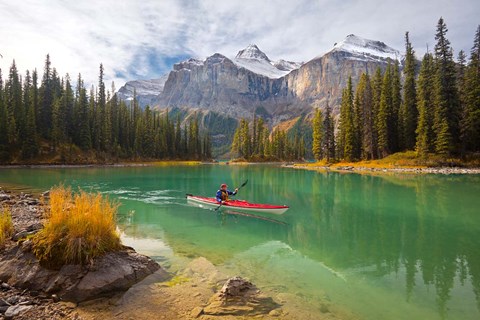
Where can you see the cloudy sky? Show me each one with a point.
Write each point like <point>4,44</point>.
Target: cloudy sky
<point>142,39</point>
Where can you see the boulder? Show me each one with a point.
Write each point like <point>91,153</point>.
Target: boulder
<point>111,273</point>
<point>14,311</point>
<point>239,297</point>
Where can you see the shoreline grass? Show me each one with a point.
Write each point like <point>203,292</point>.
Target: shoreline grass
<point>79,228</point>
<point>6,225</point>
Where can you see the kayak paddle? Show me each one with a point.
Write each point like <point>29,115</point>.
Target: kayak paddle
<point>243,185</point>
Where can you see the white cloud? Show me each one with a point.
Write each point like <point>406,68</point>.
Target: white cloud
<point>129,36</point>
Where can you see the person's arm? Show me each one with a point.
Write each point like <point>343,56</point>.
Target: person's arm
<point>233,193</point>
<point>219,196</point>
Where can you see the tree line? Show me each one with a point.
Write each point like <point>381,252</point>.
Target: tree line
<point>256,142</point>
<point>43,118</point>
<point>436,112</point>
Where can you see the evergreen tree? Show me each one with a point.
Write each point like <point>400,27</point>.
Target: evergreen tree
<point>14,105</point>
<point>83,135</point>
<point>4,155</point>
<point>384,122</point>
<point>409,111</point>
<point>470,125</point>
<point>317,135</point>
<point>396,140</point>
<point>377,94</point>
<point>44,121</point>
<point>446,118</point>
<point>30,143</point>
<point>347,137</point>
<point>425,102</point>
<point>328,141</point>
<point>365,105</point>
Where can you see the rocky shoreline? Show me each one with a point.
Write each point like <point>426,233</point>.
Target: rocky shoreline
<point>30,291</point>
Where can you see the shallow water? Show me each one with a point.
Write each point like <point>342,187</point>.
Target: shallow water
<point>383,247</point>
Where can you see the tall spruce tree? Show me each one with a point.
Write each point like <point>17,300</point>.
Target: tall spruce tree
<point>4,155</point>
<point>347,135</point>
<point>14,104</point>
<point>377,95</point>
<point>44,121</point>
<point>30,142</point>
<point>328,138</point>
<point>470,125</point>
<point>409,111</point>
<point>318,132</point>
<point>446,118</point>
<point>365,96</point>
<point>425,102</point>
<point>384,114</point>
<point>396,140</point>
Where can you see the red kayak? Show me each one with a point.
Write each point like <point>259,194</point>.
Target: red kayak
<point>237,205</point>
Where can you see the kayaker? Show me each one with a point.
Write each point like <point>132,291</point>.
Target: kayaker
<point>223,193</point>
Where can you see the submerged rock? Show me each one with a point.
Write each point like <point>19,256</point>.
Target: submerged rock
<point>240,297</point>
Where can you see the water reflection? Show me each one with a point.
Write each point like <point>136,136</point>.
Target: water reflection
<point>415,236</point>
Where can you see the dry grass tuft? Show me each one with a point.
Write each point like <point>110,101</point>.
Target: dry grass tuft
<point>6,225</point>
<point>79,228</point>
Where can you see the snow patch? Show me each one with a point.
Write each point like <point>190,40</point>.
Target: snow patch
<point>253,59</point>
<point>365,49</point>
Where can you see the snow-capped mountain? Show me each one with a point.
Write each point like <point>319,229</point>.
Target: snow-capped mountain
<point>235,87</point>
<point>253,59</point>
<point>366,49</point>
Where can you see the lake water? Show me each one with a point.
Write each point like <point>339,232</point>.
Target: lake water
<point>382,247</point>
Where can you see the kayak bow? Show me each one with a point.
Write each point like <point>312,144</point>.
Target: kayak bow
<point>237,205</point>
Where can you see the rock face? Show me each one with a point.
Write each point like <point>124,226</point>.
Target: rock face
<point>115,271</point>
<point>279,90</point>
<point>146,90</point>
<point>239,297</point>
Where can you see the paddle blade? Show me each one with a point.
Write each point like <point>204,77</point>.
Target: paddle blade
<point>244,184</point>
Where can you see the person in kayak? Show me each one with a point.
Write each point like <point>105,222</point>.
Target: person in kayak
<point>223,193</point>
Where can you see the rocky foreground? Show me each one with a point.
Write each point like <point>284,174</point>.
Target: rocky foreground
<point>112,286</point>
<point>31,291</point>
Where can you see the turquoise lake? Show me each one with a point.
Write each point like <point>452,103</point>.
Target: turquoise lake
<point>382,247</point>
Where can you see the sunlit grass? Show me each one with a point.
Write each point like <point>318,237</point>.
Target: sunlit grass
<point>6,225</point>
<point>79,227</point>
<point>175,163</point>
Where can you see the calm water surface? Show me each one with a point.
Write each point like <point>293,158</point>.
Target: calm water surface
<point>387,247</point>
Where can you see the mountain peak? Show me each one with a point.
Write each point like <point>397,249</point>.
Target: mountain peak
<point>369,48</point>
<point>252,52</point>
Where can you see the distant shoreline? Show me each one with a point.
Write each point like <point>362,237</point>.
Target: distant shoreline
<point>380,170</point>
<point>343,168</point>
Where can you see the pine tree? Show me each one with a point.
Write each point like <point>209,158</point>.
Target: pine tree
<point>377,94</point>
<point>14,105</point>
<point>409,112</point>
<point>4,155</point>
<point>470,125</point>
<point>44,121</point>
<point>365,103</point>
<point>30,143</point>
<point>383,121</point>
<point>425,102</point>
<point>357,123</point>
<point>82,124</point>
<point>396,140</point>
<point>317,135</point>
<point>347,138</point>
<point>328,141</point>
<point>446,118</point>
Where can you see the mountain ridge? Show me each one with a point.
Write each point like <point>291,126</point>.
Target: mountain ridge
<point>282,90</point>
